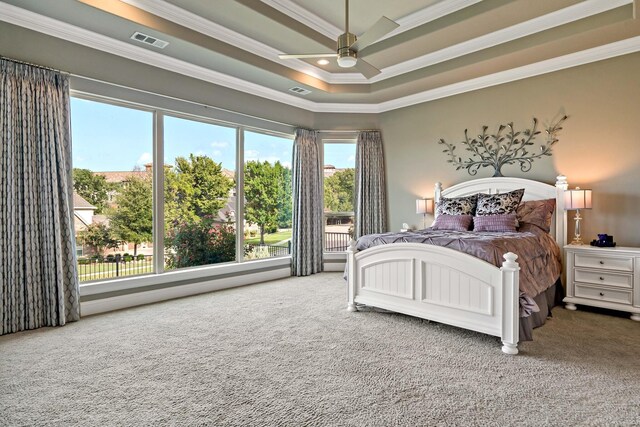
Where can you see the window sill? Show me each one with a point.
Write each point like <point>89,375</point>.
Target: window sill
<point>195,273</point>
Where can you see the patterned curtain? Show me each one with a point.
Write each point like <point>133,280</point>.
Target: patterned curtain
<point>371,195</point>
<point>307,204</point>
<point>39,279</point>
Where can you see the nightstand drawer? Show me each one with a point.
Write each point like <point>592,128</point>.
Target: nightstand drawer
<point>603,278</point>
<point>595,261</point>
<point>603,294</point>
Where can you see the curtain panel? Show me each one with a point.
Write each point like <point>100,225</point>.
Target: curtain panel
<point>307,204</point>
<point>371,196</point>
<point>38,273</point>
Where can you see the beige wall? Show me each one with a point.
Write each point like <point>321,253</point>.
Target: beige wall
<point>599,147</point>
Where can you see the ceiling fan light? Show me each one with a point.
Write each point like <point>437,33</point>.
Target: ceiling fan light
<point>347,61</point>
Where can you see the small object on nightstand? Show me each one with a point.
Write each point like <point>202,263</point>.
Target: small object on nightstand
<point>603,241</point>
<point>405,227</point>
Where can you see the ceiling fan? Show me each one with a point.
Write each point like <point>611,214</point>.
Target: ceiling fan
<point>349,45</point>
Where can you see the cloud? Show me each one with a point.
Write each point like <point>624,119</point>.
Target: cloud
<point>144,159</point>
<point>251,155</point>
<point>216,153</point>
<point>351,159</point>
<point>219,144</point>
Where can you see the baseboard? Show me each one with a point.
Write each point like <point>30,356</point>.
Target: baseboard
<point>334,266</point>
<point>104,305</point>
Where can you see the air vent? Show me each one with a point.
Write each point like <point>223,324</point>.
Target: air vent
<point>299,90</point>
<point>143,38</point>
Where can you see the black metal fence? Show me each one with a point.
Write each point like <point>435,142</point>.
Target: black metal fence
<point>93,269</point>
<point>273,250</point>
<point>336,242</point>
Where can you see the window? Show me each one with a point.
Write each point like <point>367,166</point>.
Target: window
<point>339,193</point>
<point>199,193</point>
<point>114,209</point>
<point>113,216</point>
<point>267,191</point>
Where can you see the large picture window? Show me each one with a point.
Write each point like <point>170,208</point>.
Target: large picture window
<point>199,193</point>
<point>198,199</point>
<point>113,213</point>
<point>339,194</point>
<point>267,192</point>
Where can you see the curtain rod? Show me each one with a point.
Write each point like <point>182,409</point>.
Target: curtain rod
<point>18,61</point>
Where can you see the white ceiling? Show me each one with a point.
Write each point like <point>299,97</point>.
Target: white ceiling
<point>441,47</point>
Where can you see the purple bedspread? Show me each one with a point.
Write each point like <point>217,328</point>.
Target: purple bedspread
<point>538,253</point>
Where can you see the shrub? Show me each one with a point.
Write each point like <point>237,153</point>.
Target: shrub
<point>140,257</point>
<point>253,233</point>
<point>256,252</point>
<point>127,258</point>
<point>110,258</point>
<point>200,243</point>
<point>83,261</point>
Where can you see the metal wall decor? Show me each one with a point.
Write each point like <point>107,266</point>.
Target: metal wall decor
<point>502,148</point>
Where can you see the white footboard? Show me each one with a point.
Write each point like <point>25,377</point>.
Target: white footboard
<point>438,284</point>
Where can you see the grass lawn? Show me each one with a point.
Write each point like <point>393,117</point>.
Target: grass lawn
<point>107,270</point>
<point>270,239</point>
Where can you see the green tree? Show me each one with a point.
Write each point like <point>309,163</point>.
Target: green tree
<point>339,191</point>
<point>263,190</point>
<point>132,220</point>
<point>285,207</point>
<point>98,236</point>
<point>201,243</point>
<point>93,188</point>
<point>194,188</point>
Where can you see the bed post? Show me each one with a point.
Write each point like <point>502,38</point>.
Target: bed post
<point>510,272</point>
<point>351,276</point>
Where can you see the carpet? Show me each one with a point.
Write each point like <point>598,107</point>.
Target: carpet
<point>287,352</point>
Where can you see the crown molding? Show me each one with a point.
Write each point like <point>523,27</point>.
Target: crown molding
<point>571,60</point>
<point>429,14</point>
<point>554,19</point>
<point>302,15</point>
<point>21,17</point>
<point>214,30</point>
<point>52,27</point>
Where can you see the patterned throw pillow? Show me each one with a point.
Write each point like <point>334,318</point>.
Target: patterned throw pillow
<point>499,204</point>
<point>506,222</point>
<point>452,222</point>
<point>456,205</point>
<point>537,212</point>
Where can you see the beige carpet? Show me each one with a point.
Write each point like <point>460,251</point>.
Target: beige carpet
<point>288,353</point>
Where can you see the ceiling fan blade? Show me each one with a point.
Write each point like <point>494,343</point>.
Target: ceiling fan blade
<point>373,34</point>
<point>308,55</point>
<point>366,69</point>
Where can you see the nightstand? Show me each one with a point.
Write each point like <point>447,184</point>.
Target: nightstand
<point>603,277</point>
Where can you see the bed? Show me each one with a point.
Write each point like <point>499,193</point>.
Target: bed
<point>446,285</point>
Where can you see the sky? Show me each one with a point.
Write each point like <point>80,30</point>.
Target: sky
<point>113,138</point>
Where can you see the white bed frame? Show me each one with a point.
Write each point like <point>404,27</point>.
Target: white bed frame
<point>448,286</point>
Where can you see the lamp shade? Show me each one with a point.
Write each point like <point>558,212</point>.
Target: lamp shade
<point>424,206</point>
<point>577,199</point>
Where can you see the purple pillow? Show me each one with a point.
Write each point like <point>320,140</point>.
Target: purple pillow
<point>452,222</point>
<point>537,212</point>
<point>505,222</point>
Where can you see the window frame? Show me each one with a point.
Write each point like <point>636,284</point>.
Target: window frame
<point>349,138</point>
<point>159,275</point>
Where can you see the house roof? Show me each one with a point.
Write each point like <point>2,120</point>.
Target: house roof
<point>121,176</point>
<point>79,203</point>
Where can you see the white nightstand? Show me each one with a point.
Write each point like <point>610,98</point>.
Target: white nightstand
<point>603,277</point>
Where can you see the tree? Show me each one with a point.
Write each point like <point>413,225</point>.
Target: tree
<point>263,190</point>
<point>339,190</point>
<point>194,188</point>
<point>98,236</point>
<point>285,207</point>
<point>91,187</point>
<point>132,220</point>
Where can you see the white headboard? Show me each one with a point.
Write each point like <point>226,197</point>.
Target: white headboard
<point>533,190</point>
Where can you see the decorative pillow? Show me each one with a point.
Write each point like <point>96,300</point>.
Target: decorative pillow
<point>457,205</point>
<point>537,212</point>
<point>506,222</point>
<point>499,204</point>
<point>452,222</point>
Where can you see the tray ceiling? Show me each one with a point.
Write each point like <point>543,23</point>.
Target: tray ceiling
<point>441,47</point>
